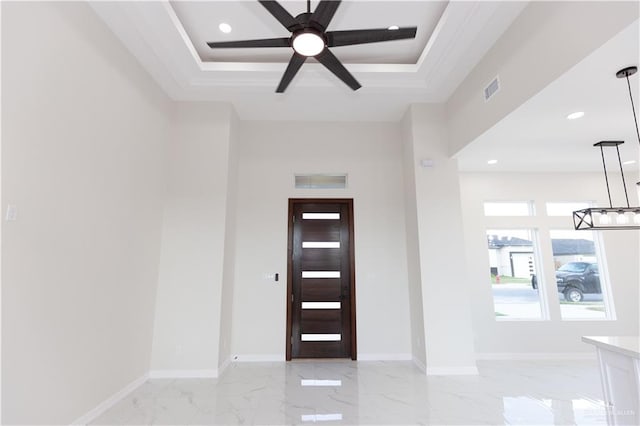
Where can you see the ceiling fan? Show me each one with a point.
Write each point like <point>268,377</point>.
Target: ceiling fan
<point>309,37</point>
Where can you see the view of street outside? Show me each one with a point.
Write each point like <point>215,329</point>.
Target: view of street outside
<point>512,264</point>
<point>572,250</point>
<point>516,279</point>
<point>519,300</point>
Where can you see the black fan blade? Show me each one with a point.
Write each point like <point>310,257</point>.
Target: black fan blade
<point>334,65</point>
<point>295,63</point>
<point>346,38</point>
<point>280,13</point>
<point>324,12</point>
<point>265,42</point>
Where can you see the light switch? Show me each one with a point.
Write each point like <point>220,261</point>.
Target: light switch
<point>12,213</point>
<point>272,276</point>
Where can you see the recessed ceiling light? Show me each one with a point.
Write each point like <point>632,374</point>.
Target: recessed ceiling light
<point>225,28</point>
<point>393,27</point>
<point>629,162</point>
<point>574,115</point>
<point>492,162</point>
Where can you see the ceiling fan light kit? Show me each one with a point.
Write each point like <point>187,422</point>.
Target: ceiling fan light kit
<point>310,38</point>
<point>601,218</point>
<point>308,43</point>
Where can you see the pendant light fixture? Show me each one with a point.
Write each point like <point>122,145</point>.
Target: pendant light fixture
<point>595,218</point>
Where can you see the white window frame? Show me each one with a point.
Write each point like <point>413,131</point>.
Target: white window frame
<point>603,270</point>
<point>537,258</point>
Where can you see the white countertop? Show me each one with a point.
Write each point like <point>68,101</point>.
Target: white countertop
<point>625,345</point>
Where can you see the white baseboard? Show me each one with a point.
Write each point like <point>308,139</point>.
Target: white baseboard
<point>280,358</point>
<point>536,356</point>
<point>420,364</point>
<point>183,374</point>
<point>384,357</point>
<point>258,358</point>
<point>453,371</point>
<point>110,402</point>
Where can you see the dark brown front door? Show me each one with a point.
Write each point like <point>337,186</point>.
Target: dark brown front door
<point>321,279</point>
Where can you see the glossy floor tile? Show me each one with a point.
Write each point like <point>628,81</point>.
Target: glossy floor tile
<point>348,392</point>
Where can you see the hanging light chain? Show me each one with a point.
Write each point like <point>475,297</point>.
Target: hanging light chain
<point>606,178</point>
<point>633,108</point>
<point>624,184</point>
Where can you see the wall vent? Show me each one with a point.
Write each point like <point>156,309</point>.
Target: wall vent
<point>321,181</point>
<point>491,89</point>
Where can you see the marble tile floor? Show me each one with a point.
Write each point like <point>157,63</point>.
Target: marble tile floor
<point>370,393</point>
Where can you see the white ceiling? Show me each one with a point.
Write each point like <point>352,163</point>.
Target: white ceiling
<point>250,20</point>
<point>538,137</point>
<point>169,41</point>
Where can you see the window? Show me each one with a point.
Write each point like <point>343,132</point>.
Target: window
<point>565,209</point>
<point>576,277</point>
<point>580,285</point>
<point>508,208</point>
<point>512,264</point>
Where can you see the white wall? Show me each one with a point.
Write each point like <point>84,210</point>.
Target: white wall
<point>187,318</point>
<point>1,208</point>
<point>554,336</point>
<point>445,299</point>
<point>270,155</point>
<point>228,273</point>
<point>83,148</point>
<point>411,167</point>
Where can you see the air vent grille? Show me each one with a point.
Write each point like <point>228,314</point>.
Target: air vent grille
<point>491,89</point>
<point>321,181</point>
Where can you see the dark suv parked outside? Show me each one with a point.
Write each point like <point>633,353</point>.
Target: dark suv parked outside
<point>574,279</point>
